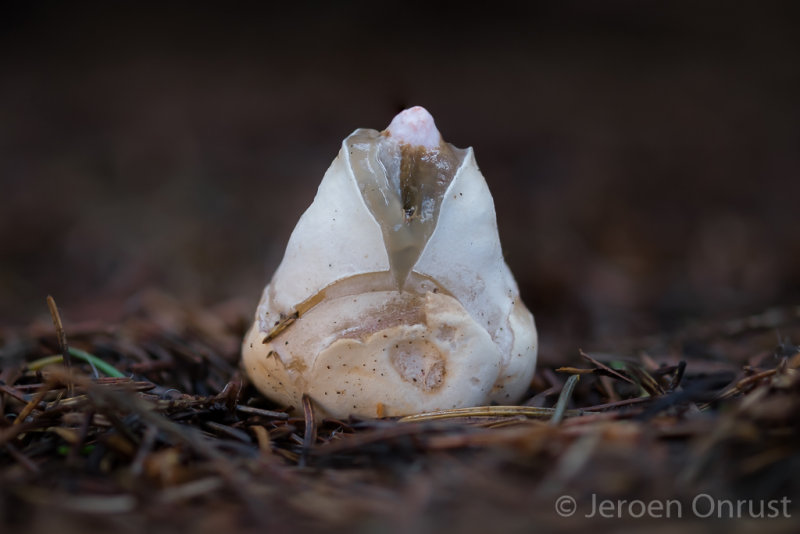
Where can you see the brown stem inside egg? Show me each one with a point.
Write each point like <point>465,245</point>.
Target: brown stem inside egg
<point>403,186</point>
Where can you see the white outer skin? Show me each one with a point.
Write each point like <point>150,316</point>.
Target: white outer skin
<point>362,368</point>
<point>337,237</point>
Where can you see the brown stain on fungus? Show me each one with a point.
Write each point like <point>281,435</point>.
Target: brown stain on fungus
<point>406,310</point>
<point>420,363</point>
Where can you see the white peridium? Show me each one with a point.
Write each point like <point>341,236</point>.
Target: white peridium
<point>396,282</point>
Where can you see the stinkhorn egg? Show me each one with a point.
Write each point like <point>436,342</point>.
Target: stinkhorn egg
<point>393,297</point>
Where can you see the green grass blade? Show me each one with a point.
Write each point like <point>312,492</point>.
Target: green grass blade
<point>105,368</point>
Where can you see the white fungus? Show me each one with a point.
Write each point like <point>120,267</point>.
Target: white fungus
<point>393,297</point>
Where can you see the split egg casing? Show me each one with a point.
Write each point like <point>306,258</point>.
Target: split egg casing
<point>393,297</point>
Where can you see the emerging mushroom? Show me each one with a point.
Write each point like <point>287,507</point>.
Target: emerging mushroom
<point>393,297</point>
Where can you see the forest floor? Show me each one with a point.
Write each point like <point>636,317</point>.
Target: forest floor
<point>151,427</point>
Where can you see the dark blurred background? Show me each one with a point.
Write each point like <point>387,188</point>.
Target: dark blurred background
<point>643,156</point>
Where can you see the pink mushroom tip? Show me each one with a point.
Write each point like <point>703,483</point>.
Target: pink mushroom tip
<point>415,126</point>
